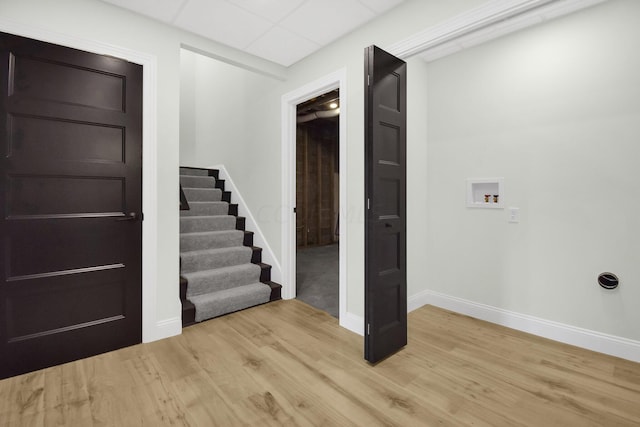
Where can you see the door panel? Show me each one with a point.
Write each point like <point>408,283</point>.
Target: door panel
<point>71,171</point>
<point>91,87</point>
<point>63,141</point>
<point>385,224</point>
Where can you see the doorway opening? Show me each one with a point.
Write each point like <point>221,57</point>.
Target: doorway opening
<point>290,101</point>
<point>318,201</point>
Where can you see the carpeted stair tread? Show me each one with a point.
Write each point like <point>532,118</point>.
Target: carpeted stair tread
<point>208,259</point>
<point>229,300</point>
<point>202,194</point>
<point>206,281</point>
<point>194,172</point>
<point>206,209</point>
<point>211,240</point>
<point>194,181</point>
<point>193,224</point>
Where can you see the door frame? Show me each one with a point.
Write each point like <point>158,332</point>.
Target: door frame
<point>152,329</point>
<point>289,103</point>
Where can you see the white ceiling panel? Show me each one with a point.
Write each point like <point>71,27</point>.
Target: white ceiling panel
<point>326,20</point>
<point>272,10</point>
<point>162,10</point>
<point>222,21</point>
<point>282,31</point>
<point>380,6</point>
<point>282,46</point>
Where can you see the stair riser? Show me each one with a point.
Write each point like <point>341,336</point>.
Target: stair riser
<point>209,261</point>
<point>195,242</point>
<point>188,181</point>
<point>199,224</point>
<point>221,280</point>
<point>202,194</point>
<point>206,208</point>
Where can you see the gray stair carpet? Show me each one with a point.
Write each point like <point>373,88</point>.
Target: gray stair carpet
<point>218,269</point>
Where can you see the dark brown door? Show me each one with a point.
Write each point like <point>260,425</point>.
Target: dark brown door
<point>70,197</point>
<point>385,188</point>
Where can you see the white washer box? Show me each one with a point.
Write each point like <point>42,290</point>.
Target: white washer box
<point>479,188</point>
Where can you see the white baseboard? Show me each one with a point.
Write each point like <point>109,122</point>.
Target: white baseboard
<point>164,329</point>
<point>353,323</point>
<point>243,210</point>
<point>579,337</point>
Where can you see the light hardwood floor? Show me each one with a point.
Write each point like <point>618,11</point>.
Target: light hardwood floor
<point>287,364</point>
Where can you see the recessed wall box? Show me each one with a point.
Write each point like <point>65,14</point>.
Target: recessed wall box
<point>485,193</point>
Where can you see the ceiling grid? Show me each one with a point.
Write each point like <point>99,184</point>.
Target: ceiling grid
<point>282,31</point>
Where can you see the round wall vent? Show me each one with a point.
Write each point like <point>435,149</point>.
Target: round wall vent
<point>608,280</point>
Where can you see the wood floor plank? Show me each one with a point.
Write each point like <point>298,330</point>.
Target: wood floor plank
<point>287,364</point>
<point>66,398</point>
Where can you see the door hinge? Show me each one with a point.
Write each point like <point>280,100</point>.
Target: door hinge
<point>368,328</point>
<point>368,203</point>
<point>368,80</point>
<point>141,216</point>
<point>295,210</point>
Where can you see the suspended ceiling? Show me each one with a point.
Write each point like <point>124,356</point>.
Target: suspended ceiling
<point>282,31</point>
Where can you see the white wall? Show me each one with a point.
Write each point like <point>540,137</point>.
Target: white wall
<point>417,175</point>
<point>219,103</point>
<point>555,110</point>
<point>95,20</point>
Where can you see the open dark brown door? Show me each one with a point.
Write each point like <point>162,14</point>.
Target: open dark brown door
<point>70,198</point>
<point>385,188</point>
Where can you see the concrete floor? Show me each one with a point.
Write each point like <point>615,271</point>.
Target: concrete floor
<point>317,277</point>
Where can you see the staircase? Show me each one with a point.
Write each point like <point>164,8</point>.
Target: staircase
<point>220,269</point>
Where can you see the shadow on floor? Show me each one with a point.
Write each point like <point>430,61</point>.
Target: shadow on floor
<point>317,277</point>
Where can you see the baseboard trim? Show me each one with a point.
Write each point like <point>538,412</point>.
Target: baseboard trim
<point>579,337</point>
<point>352,322</point>
<point>165,328</point>
<point>251,224</point>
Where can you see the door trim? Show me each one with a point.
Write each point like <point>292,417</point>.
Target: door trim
<point>152,328</point>
<point>335,80</point>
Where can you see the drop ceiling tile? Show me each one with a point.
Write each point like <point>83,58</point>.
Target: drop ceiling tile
<point>222,22</point>
<point>272,10</point>
<point>326,20</point>
<point>380,6</point>
<point>163,10</point>
<point>282,46</point>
